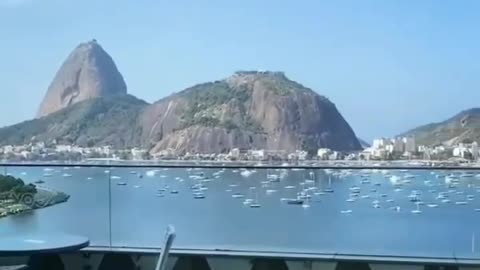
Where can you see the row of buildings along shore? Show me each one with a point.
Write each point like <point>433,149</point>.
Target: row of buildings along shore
<point>403,148</point>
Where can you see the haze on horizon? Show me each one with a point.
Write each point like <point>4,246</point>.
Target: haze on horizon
<point>388,65</point>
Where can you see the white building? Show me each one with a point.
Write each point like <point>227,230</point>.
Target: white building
<point>460,150</point>
<point>379,143</point>
<point>302,155</point>
<point>323,153</point>
<point>474,150</point>
<point>138,154</point>
<point>8,149</point>
<point>410,145</point>
<point>63,148</point>
<point>398,145</point>
<point>234,153</point>
<point>257,154</point>
<point>390,148</point>
<point>422,148</point>
<point>334,156</point>
<point>379,153</point>
<point>106,150</point>
<point>26,154</point>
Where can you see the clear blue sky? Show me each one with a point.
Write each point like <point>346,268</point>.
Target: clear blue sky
<point>388,65</point>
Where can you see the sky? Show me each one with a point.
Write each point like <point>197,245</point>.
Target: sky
<point>389,66</point>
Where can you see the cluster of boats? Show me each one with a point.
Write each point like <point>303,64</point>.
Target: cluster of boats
<point>402,179</point>
<point>445,187</point>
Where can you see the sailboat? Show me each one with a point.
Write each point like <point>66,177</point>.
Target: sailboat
<point>417,211</point>
<point>306,204</point>
<point>249,200</point>
<point>319,191</point>
<point>329,189</point>
<point>255,203</point>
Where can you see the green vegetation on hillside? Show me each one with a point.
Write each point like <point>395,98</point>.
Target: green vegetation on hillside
<point>10,184</point>
<point>100,121</point>
<point>463,127</point>
<point>204,100</point>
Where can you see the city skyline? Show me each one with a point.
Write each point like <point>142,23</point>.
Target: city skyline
<point>388,56</point>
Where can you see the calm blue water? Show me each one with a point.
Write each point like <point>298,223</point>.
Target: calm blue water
<point>219,221</point>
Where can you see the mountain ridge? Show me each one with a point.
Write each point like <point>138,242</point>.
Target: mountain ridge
<point>463,126</point>
<point>247,110</point>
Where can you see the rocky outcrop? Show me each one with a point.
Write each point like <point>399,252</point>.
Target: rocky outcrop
<point>263,110</point>
<point>88,72</point>
<point>87,104</point>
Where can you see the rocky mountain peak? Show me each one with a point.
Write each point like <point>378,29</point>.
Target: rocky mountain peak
<point>88,72</point>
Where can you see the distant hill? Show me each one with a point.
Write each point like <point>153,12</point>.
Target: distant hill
<point>99,121</point>
<point>363,143</point>
<point>463,127</point>
<point>88,72</point>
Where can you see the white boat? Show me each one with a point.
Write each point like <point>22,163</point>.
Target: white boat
<point>289,187</point>
<point>417,211</point>
<point>198,195</point>
<point>346,211</point>
<point>255,203</point>
<point>67,175</point>
<point>461,203</point>
<point>445,201</point>
<point>350,200</point>
<point>247,201</point>
<point>246,173</point>
<point>115,177</point>
<point>432,205</point>
<point>365,181</point>
<point>306,203</point>
<point>151,173</point>
<point>270,191</point>
<point>238,196</point>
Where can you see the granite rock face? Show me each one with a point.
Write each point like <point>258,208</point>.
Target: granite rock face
<point>88,72</point>
<point>249,110</point>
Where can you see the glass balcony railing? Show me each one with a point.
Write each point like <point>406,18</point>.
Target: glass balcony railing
<point>373,212</point>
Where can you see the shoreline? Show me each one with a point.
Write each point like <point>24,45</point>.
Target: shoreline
<point>42,199</point>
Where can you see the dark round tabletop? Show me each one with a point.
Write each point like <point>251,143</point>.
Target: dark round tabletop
<point>41,243</point>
